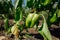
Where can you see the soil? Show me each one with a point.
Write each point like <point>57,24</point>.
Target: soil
<point>54,29</point>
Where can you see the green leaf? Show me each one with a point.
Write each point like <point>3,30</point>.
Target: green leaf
<point>6,24</point>
<point>44,13</point>
<point>59,13</point>
<point>21,27</point>
<point>16,3</point>
<point>17,14</point>
<point>54,17</point>
<point>45,2</point>
<point>29,19</point>
<point>44,31</point>
<point>30,3</point>
<point>21,15</point>
<point>20,3</point>
<point>55,5</point>
<point>9,30</point>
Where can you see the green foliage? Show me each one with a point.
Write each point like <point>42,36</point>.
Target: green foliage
<point>6,24</point>
<point>54,17</point>
<point>59,13</point>
<point>17,14</point>
<point>5,6</point>
<point>30,3</point>
<point>20,14</point>
<point>44,30</point>
<point>45,2</point>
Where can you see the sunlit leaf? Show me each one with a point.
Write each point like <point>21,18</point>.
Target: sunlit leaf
<point>16,3</point>
<point>45,2</point>
<point>44,31</point>
<point>44,13</point>
<point>58,13</point>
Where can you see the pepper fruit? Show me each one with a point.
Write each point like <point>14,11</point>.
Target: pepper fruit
<point>54,17</point>
<point>34,20</point>
<point>29,19</point>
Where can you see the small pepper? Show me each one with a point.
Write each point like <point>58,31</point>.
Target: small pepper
<point>34,20</point>
<point>29,19</point>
